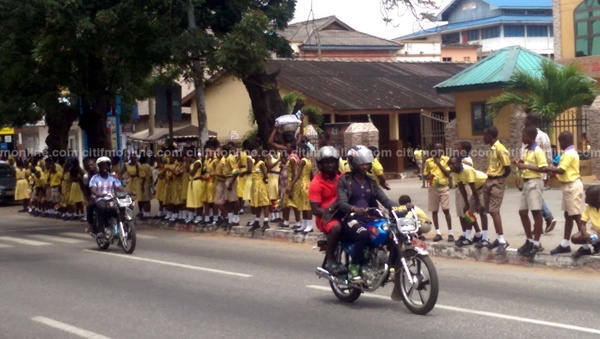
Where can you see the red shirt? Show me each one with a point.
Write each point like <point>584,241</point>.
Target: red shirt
<point>323,191</point>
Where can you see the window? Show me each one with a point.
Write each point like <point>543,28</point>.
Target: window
<point>446,59</point>
<point>587,29</point>
<point>551,31</point>
<point>467,59</point>
<point>490,33</point>
<point>479,117</point>
<point>537,31</point>
<point>512,31</point>
<point>452,38</point>
<point>473,35</point>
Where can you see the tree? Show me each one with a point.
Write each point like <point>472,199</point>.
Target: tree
<point>556,89</point>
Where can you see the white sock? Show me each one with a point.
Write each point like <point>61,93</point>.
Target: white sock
<point>253,218</point>
<point>276,215</point>
<point>478,234</point>
<point>531,241</point>
<point>467,234</point>
<point>206,218</point>
<point>303,227</point>
<point>286,223</point>
<point>236,218</point>
<point>501,239</point>
<point>210,212</point>
<point>438,232</point>
<point>298,224</point>
<point>564,243</point>
<point>266,219</point>
<point>159,214</point>
<point>484,234</point>
<point>230,217</point>
<point>309,226</point>
<point>585,246</point>
<point>169,214</point>
<point>536,243</point>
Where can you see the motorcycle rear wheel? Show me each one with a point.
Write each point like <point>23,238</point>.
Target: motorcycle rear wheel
<point>129,241</point>
<point>427,285</point>
<point>343,292</point>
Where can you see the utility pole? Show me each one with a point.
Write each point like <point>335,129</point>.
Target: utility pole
<point>151,117</point>
<point>170,115</point>
<point>198,72</point>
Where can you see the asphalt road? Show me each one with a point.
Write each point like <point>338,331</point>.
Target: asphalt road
<point>54,283</point>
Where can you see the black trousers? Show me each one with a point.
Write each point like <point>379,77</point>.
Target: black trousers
<point>103,212</point>
<point>353,230</point>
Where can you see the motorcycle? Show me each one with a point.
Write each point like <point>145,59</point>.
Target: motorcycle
<point>394,254</point>
<point>120,225</point>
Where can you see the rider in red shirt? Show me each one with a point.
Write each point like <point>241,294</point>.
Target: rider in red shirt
<point>322,195</point>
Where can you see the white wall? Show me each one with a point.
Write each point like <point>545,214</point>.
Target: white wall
<point>420,51</point>
<point>540,45</point>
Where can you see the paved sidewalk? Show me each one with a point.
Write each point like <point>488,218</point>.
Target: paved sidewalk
<point>513,230</point>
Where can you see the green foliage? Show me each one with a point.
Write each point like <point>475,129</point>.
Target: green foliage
<point>554,91</point>
<point>251,135</point>
<point>422,10</point>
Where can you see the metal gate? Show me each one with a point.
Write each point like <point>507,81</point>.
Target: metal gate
<point>433,131</point>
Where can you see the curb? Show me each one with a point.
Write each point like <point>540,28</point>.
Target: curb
<point>511,257</point>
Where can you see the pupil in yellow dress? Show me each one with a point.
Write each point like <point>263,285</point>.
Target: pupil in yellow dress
<point>22,191</point>
<point>298,189</point>
<point>259,202</point>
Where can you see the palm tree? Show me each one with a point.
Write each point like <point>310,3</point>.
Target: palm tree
<point>549,93</point>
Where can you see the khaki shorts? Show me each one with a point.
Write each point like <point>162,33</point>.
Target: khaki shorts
<point>531,197</point>
<point>55,195</point>
<point>572,197</point>
<point>472,202</point>
<point>493,194</point>
<point>223,195</point>
<point>460,202</point>
<point>439,196</point>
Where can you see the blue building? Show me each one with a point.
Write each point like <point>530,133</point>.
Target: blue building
<point>485,26</point>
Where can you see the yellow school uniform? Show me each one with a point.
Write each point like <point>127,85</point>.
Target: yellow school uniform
<point>242,179</point>
<point>66,189</point>
<point>247,196</point>
<point>273,185</point>
<point>300,190</point>
<point>135,182</point>
<point>537,158</point>
<point>194,192</point>
<point>76,194</point>
<point>287,202</point>
<point>439,179</point>
<point>469,175</point>
<point>343,166</point>
<point>260,194</point>
<point>22,188</point>
<point>146,178</point>
<point>376,170</point>
<point>497,160</point>
<point>593,215</point>
<point>569,162</point>
<point>211,183</point>
<point>176,182</point>
<point>185,181</point>
<point>160,184</point>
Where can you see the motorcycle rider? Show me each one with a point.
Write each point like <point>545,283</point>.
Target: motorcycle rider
<point>322,194</point>
<point>103,185</point>
<point>356,193</point>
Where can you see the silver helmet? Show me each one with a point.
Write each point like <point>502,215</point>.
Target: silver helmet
<point>359,155</point>
<point>327,152</point>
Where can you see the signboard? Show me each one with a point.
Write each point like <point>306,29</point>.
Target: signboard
<point>8,138</point>
<point>4,146</point>
<point>111,125</point>
<point>7,131</point>
<point>161,103</point>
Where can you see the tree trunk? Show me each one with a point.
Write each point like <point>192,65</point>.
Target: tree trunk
<point>198,72</point>
<point>266,102</point>
<point>59,123</point>
<point>93,123</point>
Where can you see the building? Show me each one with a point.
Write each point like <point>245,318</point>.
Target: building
<point>390,94</point>
<point>330,38</point>
<point>477,28</point>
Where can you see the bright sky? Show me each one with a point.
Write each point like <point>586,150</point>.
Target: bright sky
<point>362,15</point>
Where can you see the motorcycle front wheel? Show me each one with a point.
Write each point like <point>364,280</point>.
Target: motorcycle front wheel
<point>420,296</point>
<point>128,237</point>
<point>343,292</point>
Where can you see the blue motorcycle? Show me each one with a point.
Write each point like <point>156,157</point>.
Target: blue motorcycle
<point>394,254</point>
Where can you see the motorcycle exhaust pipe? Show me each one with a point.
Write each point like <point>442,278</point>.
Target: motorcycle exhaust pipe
<point>323,273</point>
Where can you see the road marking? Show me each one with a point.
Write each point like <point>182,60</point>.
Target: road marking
<point>141,236</point>
<point>25,241</point>
<point>483,313</point>
<point>78,235</point>
<point>5,246</point>
<point>68,328</point>
<point>58,239</point>
<point>167,263</point>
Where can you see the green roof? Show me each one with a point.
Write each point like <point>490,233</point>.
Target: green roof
<point>493,72</point>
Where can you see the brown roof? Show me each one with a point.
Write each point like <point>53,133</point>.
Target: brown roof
<point>332,32</point>
<point>369,85</point>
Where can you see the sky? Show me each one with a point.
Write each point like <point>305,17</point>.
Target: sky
<point>362,15</point>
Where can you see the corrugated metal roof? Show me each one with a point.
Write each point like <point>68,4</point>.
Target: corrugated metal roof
<point>508,4</point>
<point>494,71</point>
<point>346,38</point>
<point>369,85</point>
<point>457,26</point>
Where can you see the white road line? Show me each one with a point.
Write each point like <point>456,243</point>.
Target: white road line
<point>167,263</point>
<point>68,328</point>
<point>141,236</point>
<point>57,239</point>
<point>25,241</point>
<point>487,314</point>
<point>78,235</point>
<point>5,246</point>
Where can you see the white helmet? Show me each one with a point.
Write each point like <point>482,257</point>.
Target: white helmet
<point>327,152</point>
<point>359,155</point>
<point>101,160</point>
